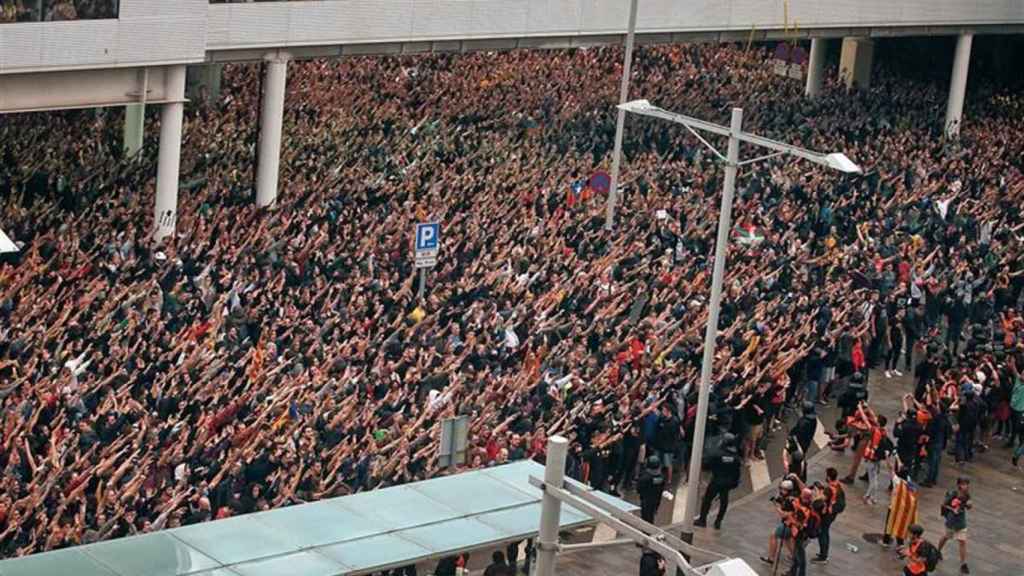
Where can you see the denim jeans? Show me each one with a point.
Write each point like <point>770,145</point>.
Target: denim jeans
<point>824,538</point>
<point>874,471</point>
<point>811,391</point>
<point>799,567</point>
<point>934,460</point>
<point>964,444</point>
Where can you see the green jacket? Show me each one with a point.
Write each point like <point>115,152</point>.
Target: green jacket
<point>1017,396</point>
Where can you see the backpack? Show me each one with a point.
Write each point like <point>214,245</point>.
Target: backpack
<point>931,555</point>
<point>812,525</point>
<point>839,501</point>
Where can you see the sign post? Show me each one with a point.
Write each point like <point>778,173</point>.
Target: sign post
<point>428,239</point>
<point>454,433</point>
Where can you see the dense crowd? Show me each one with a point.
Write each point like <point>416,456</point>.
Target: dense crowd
<point>266,358</point>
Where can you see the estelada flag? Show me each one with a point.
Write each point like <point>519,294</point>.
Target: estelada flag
<point>902,508</point>
<point>256,362</point>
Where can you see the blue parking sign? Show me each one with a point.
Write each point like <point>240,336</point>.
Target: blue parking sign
<point>428,235</point>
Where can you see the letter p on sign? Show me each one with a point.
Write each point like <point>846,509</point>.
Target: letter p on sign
<point>427,236</point>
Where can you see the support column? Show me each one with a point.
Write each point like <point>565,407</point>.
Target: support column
<point>551,507</point>
<point>271,118</point>
<point>855,62</point>
<point>816,67</point>
<point>165,213</point>
<point>958,85</point>
<point>134,128</point>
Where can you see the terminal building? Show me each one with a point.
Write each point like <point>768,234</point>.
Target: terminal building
<point>155,54</point>
<point>139,53</point>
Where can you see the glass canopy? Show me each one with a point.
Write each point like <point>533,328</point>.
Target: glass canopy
<point>357,534</point>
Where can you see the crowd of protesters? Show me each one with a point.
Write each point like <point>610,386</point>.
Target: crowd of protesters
<point>260,359</point>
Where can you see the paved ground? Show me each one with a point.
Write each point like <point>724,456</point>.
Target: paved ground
<point>996,523</point>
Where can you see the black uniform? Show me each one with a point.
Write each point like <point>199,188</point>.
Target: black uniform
<point>804,430</point>
<point>725,476</point>
<point>649,486</point>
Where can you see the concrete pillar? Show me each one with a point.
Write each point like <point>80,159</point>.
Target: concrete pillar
<point>958,85</point>
<point>816,67</point>
<point>855,62</point>
<point>551,507</point>
<point>165,213</point>
<point>134,128</point>
<point>271,118</point>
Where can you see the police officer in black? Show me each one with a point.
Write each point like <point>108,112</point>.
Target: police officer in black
<point>725,476</point>
<point>854,394</point>
<point>650,486</point>
<point>805,427</point>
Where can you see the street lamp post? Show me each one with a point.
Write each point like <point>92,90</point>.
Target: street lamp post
<point>620,121</point>
<point>734,131</point>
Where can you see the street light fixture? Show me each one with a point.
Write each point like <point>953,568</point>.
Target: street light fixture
<point>836,161</point>
<point>6,245</point>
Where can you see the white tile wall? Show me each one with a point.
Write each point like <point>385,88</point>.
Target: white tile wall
<point>147,31</point>
<point>338,21</point>
<point>151,31</point>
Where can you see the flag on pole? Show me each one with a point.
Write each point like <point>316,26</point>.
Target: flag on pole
<point>902,508</point>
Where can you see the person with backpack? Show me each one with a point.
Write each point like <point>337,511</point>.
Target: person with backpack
<point>920,556</point>
<point>835,504</point>
<point>666,439</point>
<point>877,452</point>
<point>650,486</point>
<point>968,417</point>
<point>938,431</point>
<point>807,525</point>
<point>954,511</point>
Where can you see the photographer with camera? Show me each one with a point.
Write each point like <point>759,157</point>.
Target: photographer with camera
<point>786,505</point>
<point>954,512</point>
<point>805,523</point>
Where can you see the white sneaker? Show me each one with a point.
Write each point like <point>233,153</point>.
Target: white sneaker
<point>897,372</point>
<point>888,374</point>
<point>668,495</point>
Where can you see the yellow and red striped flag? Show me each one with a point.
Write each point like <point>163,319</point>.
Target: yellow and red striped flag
<point>902,508</point>
<point>255,371</point>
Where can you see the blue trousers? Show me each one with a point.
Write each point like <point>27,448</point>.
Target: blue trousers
<point>965,444</point>
<point>934,460</point>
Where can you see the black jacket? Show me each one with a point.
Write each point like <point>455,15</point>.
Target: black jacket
<point>726,470</point>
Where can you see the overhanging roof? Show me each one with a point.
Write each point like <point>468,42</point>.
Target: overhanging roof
<point>357,534</point>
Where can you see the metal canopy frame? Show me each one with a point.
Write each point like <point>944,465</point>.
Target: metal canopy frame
<point>358,534</point>
<point>557,491</point>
